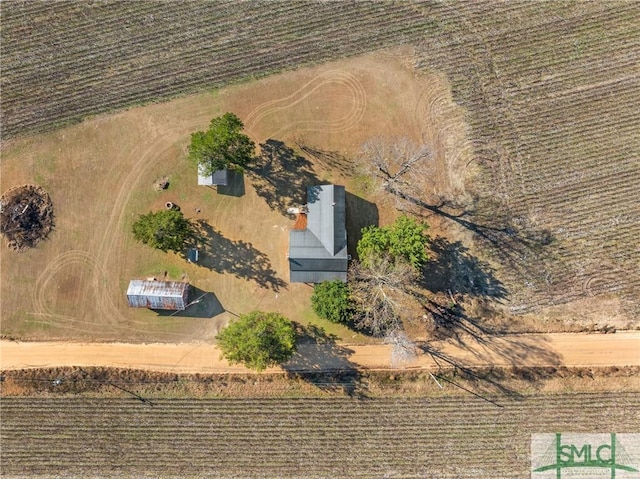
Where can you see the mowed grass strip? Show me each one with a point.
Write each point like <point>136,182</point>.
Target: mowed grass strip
<point>443,437</point>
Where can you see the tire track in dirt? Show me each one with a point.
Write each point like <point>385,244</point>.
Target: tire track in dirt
<point>102,288</point>
<point>110,243</point>
<point>101,263</point>
<point>45,279</point>
<point>443,129</point>
<point>607,275</point>
<point>349,81</point>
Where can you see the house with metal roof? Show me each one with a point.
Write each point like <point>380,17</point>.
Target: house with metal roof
<point>218,178</point>
<point>318,251</point>
<point>158,294</point>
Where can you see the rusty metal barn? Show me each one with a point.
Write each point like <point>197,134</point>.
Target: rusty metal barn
<point>158,294</point>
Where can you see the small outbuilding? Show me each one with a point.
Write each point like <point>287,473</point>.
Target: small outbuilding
<point>218,178</point>
<point>193,255</point>
<point>158,294</point>
<point>318,249</point>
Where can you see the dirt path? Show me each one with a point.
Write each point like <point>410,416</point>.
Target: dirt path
<point>620,349</point>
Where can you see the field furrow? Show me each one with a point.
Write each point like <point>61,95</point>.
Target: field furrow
<point>292,437</point>
<point>553,93</point>
<point>80,49</point>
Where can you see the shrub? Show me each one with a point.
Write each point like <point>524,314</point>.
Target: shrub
<point>331,301</point>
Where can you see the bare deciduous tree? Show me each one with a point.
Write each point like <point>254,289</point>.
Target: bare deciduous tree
<point>398,165</point>
<point>379,291</point>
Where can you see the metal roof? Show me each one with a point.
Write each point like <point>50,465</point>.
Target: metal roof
<point>317,276</point>
<point>218,178</point>
<point>316,248</point>
<point>318,264</point>
<point>157,294</point>
<point>156,288</point>
<point>326,217</point>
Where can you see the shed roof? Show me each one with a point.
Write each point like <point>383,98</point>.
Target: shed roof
<point>158,294</point>
<point>167,289</point>
<point>218,178</point>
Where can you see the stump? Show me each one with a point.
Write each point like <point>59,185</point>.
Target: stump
<point>161,184</point>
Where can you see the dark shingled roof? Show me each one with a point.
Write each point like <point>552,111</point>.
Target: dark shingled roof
<point>219,178</point>
<point>319,253</point>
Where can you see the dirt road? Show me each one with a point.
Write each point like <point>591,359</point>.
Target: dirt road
<point>620,349</point>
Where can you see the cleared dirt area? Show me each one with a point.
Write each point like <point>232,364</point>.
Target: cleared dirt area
<point>543,238</point>
<point>535,221</point>
<point>100,175</point>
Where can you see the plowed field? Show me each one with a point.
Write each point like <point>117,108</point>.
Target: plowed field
<point>63,61</point>
<point>444,437</point>
<point>553,91</point>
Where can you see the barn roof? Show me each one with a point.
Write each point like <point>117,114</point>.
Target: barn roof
<point>319,252</point>
<point>141,287</point>
<point>157,294</point>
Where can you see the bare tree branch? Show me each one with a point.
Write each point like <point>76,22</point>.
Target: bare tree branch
<point>404,350</point>
<point>379,290</point>
<point>398,165</point>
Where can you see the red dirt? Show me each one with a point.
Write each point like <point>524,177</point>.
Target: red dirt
<point>532,350</point>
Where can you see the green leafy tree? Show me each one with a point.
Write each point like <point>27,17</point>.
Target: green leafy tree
<point>405,239</point>
<point>408,239</point>
<point>330,300</point>
<point>258,340</point>
<point>165,230</point>
<point>222,145</point>
<point>373,244</point>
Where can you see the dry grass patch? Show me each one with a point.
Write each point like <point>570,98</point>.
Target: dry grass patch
<point>101,175</point>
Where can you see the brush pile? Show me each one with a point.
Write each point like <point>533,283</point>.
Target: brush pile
<point>26,216</point>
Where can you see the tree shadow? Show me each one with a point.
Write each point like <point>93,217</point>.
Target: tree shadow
<point>330,160</point>
<point>488,382</point>
<point>360,214</point>
<point>484,341</point>
<point>235,186</point>
<point>238,258</point>
<point>453,269</point>
<point>200,304</point>
<point>520,248</point>
<point>469,333</point>
<point>450,321</point>
<point>281,177</point>
<point>478,384</point>
<point>320,361</point>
